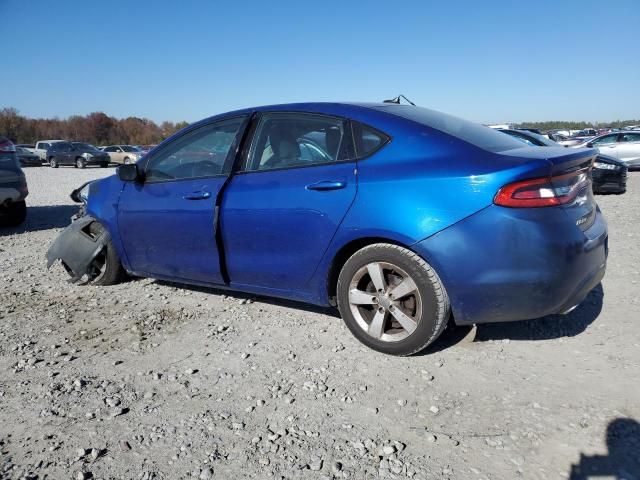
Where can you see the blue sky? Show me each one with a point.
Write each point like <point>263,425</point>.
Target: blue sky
<point>488,61</point>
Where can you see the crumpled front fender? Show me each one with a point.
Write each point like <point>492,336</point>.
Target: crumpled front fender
<point>76,247</point>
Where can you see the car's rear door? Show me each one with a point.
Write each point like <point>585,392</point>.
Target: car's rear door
<point>168,222</point>
<point>280,212</point>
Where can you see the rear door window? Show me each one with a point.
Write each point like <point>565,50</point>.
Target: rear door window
<point>630,137</point>
<point>286,140</point>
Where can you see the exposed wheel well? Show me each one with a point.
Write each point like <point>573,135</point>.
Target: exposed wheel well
<point>343,255</point>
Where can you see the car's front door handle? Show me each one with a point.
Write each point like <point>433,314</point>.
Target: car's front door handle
<point>197,196</point>
<point>326,185</point>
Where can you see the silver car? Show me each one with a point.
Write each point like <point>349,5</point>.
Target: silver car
<point>123,153</point>
<point>625,146</point>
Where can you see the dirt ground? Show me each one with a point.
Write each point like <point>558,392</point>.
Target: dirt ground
<point>156,381</point>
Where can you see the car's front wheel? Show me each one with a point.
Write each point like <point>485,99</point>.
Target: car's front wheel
<point>81,162</point>
<point>53,163</point>
<point>106,268</point>
<point>392,300</point>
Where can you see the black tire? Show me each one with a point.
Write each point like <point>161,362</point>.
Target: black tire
<point>13,215</point>
<point>435,307</point>
<point>81,162</point>
<point>107,262</point>
<point>126,160</point>
<point>104,165</point>
<point>53,163</point>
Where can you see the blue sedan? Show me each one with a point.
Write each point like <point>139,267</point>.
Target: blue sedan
<point>402,217</point>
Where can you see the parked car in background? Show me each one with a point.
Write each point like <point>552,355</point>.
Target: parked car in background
<point>624,146</point>
<point>380,209</point>
<point>608,174</point>
<point>42,146</point>
<point>28,158</point>
<point>586,132</point>
<point>123,153</point>
<point>13,186</point>
<point>27,146</point>
<point>78,154</point>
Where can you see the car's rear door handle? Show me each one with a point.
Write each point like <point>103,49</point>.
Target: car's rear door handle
<point>326,185</point>
<point>197,196</point>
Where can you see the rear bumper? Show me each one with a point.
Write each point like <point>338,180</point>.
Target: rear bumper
<point>506,264</point>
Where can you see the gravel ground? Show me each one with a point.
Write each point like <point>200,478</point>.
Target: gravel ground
<point>151,380</point>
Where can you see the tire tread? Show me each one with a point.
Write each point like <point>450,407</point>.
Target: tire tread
<point>442,298</point>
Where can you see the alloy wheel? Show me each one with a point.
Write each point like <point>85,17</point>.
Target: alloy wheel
<point>385,301</point>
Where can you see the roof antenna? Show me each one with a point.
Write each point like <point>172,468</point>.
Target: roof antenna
<point>397,100</point>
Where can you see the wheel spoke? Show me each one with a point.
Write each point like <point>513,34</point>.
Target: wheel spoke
<point>406,287</point>
<point>358,297</point>
<point>406,322</point>
<point>377,276</point>
<point>376,327</point>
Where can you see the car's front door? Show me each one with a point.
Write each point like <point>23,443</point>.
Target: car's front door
<point>281,211</point>
<point>629,147</point>
<point>167,223</point>
<point>607,145</point>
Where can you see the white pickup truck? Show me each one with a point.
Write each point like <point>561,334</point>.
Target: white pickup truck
<point>42,146</point>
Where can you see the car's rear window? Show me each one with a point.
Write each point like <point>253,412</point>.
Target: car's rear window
<point>473,133</point>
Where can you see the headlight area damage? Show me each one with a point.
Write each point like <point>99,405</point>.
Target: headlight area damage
<point>78,246</point>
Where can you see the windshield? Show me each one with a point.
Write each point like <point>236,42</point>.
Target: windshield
<point>129,148</point>
<point>84,146</point>
<point>473,133</point>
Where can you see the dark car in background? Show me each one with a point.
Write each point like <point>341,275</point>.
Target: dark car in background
<point>78,154</point>
<point>13,186</point>
<point>609,175</point>
<point>27,158</point>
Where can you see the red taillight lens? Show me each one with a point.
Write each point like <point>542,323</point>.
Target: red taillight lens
<point>6,146</point>
<point>543,192</point>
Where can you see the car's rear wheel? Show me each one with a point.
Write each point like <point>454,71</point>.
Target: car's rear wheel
<point>14,214</point>
<point>104,165</point>
<point>81,162</point>
<point>392,300</point>
<point>53,163</point>
<point>127,160</point>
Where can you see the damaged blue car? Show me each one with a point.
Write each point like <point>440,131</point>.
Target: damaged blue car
<point>403,217</point>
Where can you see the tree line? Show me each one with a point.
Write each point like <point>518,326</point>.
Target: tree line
<point>100,129</point>
<point>96,128</point>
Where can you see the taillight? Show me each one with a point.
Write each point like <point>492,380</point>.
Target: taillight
<point>543,192</point>
<point>6,146</point>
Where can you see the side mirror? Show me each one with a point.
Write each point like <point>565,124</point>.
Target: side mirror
<point>128,172</point>
<point>590,145</point>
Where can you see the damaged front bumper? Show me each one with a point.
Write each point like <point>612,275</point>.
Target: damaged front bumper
<point>76,247</point>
